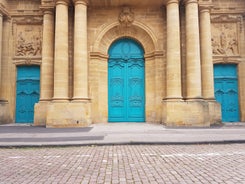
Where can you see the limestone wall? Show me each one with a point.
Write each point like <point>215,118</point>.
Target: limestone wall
<point>228,23</point>
<point>148,28</point>
<point>24,21</point>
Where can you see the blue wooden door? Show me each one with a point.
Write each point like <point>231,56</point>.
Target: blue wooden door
<point>126,82</point>
<point>27,93</point>
<point>226,91</point>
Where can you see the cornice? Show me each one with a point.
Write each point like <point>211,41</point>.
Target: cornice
<point>205,5</point>
<point>3,10</point>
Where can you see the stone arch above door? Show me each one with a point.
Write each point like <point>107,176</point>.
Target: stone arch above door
<point>137,30</point>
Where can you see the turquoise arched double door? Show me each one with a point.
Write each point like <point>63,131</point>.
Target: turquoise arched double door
<point>126,82</point>
<point>27,93</point>
<point>226,91</point>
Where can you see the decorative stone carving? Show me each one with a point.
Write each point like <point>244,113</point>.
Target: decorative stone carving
<point>126,17</point>
<point>225,35</point>
<point>28,40</point>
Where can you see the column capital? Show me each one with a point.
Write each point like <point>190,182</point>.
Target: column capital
<point>64,2</point>
<point>172,1</point>
<point>47,9</point>
<point>205,6</point>
<point>190,1</point>
<point>84,2</point>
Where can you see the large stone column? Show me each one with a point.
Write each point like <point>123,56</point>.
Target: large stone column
<point>206,54</point>
<point>5,116</point>
<point>207,64</point>
<point>61,58</point>
<point>173,51</point>
<point>193,111</point>
<point>1,36</point>
<point>80,86</point>
<point>47,56</point>
<point>47,76</point>
<point>62,112</point>
<point>193,65</point>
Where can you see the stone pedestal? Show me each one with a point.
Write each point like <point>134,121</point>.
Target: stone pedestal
<point>5,116</point>
<point>186,113</point>
<point>68,114</point>
<point>214,113</point>
<point>40,113</point>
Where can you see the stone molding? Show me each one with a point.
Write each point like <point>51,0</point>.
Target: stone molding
<point>3,10</point>
<point>63,2</point>
<point>190,1</point>
<point>84,2</point>
<point>227,60</point>
<point>119,31</point>
<point>228,18</point>
<point>98,55</point>
<point>27,61</point>
<point>172,1</point>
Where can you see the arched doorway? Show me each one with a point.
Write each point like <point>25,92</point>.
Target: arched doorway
<point>126,82</point>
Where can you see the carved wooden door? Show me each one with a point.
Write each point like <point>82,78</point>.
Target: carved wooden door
<point>27,92</point>
<point>126,82</point>
<point>226,91</point>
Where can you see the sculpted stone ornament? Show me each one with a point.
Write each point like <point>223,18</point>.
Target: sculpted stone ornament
<point>226,30</point>
<point>28,41</point>
<point>225,45</point>
<point>126,17</point>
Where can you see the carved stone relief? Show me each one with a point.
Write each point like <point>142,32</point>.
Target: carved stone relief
<point>28,41</point>
<point>226,30</point>
<point>225,39</point>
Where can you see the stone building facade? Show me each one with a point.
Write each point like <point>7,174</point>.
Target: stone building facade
<point>70,63</point>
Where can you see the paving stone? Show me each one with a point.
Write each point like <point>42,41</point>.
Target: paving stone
<point>125,164</point>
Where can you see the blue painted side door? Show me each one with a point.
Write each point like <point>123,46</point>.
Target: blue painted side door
<point>27,92</point>
<point>126,82</point>
<point>226,91</point>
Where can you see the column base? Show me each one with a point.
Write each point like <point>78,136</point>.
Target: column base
<point>40,113</point>
<point>215,113</point>
<point>5,116</point>
<point>68,114</point>
<point>186,113</point>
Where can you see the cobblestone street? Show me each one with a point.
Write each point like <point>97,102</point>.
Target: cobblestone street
<point>124,164</point>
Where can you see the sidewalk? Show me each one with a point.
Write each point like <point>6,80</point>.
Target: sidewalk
<point>15,135</point>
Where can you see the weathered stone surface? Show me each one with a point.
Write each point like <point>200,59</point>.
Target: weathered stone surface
<point>68,114</point>
<point>181,43</point>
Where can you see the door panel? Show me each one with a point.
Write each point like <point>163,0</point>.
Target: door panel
<point>116,90</point>
<point>27,93</point>
<point>226,91</point>
<point>136,90</point>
